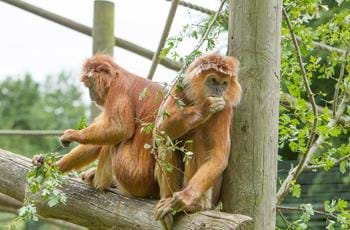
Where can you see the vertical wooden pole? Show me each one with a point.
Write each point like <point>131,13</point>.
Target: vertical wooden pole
<point>102,34</point>
<point>249,185</point>
<point>166,30</point>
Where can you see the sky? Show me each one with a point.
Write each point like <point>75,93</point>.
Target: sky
<point>31,44</point>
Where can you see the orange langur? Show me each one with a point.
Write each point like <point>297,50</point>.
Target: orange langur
<point>115,137</point>
<point>211,91</point>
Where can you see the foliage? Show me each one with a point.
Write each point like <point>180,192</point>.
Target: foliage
<point>25,104</point>
<point>325,77</point>
<point>194,32</point>
<point>82,123</point>
<point>45,180</point>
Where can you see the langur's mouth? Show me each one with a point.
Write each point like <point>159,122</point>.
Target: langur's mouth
<point>216,95</point>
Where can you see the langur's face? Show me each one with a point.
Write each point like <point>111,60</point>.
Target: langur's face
<point>90,83</point>
<point>216,84</point>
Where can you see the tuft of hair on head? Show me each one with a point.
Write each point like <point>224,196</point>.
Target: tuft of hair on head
<point>226,65</point>
<point>100,67</point>
<point>102,71</point>
<point>101,63</point>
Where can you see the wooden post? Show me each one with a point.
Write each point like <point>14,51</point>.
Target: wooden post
<point>102,34</point>
<point>249,185</point>
<point>166,30</point>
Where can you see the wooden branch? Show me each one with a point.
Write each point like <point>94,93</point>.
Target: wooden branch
<point>9,203</point>
<point>99,210</point>
<point>122,43</point>
<point>6,132</point>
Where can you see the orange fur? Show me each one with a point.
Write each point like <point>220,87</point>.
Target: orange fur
<point>117,129</point>
<point>209,132</point>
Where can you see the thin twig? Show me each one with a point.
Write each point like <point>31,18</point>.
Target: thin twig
<point>340,80</point>
<point>284,218</point>
<point>302,209</point>
<point>294,174</point>
<point>337,162</point>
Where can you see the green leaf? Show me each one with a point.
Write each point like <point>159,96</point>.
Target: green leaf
<point>144,93</point>
<point>219,206</point>
<point>82,123</point>
<point>164,52</point>
<point>295,189</point>
<point>180,103</point>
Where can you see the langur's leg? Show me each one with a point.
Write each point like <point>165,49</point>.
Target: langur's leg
<point>102,177</point>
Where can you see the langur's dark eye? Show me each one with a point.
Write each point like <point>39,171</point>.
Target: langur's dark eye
<point>224,83</point>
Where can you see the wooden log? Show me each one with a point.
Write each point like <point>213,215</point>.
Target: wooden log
<point>101,210</point>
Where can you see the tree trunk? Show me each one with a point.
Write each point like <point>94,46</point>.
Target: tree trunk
<point>249,185</point>
<point>103,210</point>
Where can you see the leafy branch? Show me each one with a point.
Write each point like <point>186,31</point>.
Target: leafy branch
<point>323,165</point>
<point>334,211</point>
<point>45,180</point>
<point>312,145</point>
<point>294,174</point>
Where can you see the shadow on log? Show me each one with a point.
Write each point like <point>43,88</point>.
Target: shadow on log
<point>100,210</point>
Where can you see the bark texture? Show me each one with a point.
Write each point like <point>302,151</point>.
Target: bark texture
<point>104,210</point>
<point>249,185</point>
